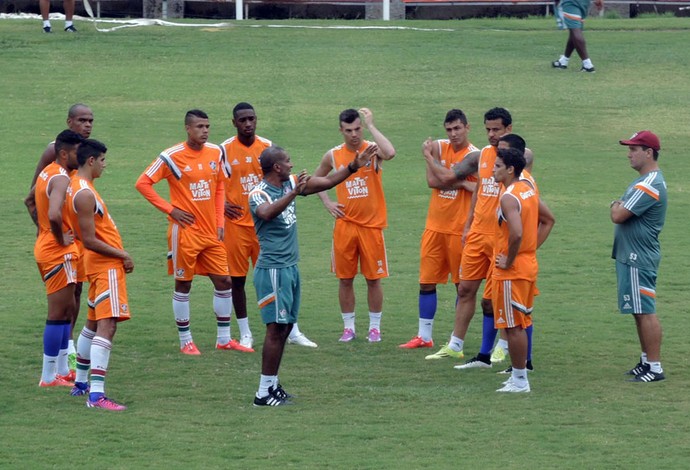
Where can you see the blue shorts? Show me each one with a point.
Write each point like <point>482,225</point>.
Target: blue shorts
<point>278,294</point>
<point>636,289</point>
<point>570,14</point>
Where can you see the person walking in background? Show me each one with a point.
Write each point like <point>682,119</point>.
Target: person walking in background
<point>570,15</point>
<point>68,5</point>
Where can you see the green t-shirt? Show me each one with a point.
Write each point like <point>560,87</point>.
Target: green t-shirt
<point>277,237</point>
<point>636,241</point>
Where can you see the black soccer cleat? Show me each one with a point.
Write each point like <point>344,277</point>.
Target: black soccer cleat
<point>648,376</point>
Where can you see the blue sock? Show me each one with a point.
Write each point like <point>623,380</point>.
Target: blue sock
<point>66,330</point>
<point>488,334</point>
<point>52,338</point>
<point>528,330</point>
<point>427,304</point>
<point>93,396</point>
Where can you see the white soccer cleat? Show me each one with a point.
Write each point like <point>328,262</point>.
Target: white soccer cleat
<point>512,387</point>
<point>247,341</point>
<point>302,340</point>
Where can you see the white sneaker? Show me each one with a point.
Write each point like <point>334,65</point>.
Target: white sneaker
<point>512,387</point>
<point>247,341</point>
<point>302,340</point>
<point>474,363</point>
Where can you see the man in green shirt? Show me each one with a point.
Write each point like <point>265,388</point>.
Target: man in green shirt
<point>639,217</point>
<point>276,277</point>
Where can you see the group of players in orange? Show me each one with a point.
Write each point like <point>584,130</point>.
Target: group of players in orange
<point>485,221</point>
<point>78,240</point>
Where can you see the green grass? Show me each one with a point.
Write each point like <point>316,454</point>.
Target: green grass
<point>359,405</point>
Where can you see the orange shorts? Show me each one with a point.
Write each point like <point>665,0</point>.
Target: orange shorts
<point>192,254</point>
<point>58,274</point>
<point>241,245</point>
<point>353,243</point>
<point>477,257</point>
<point>513,301</point>
<point>439,256</point>
<point>108,295</point>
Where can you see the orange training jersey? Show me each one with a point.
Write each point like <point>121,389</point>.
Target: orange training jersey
<point>194,178</point>
<point>362,192</point>
<point>106,231</point>
<point>484,219</point>
<point>47,247</point>
<point>243,172</point>
<point>527,176</point>
<point>525,264</point>
<point>448,208</point>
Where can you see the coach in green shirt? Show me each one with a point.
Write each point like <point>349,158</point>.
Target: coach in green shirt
<point>276,277</point>
<point>639,217</point>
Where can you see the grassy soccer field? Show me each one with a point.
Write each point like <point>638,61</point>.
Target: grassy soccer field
<point>359,405</point>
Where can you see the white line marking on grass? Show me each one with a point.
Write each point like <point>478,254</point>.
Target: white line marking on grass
<point>136,22</point>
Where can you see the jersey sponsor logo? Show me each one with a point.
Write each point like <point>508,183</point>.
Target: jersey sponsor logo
<point>448,194</point>
<point>289,216</point>
<point>490,188</point>
<point>527,194</point>
<point>249,182</point>
<point>201,190</point>
<point>357,188</point>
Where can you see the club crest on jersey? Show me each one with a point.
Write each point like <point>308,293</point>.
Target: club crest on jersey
<point>213,165</point>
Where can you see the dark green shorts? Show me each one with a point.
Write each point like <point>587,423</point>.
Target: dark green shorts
<point>278,294</point>
<point>636,289</point>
